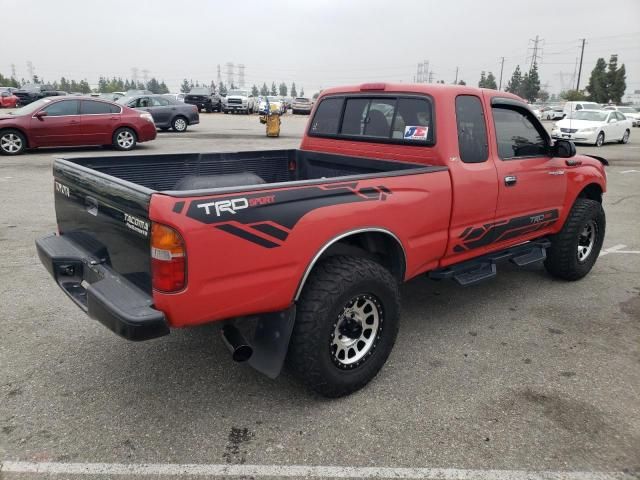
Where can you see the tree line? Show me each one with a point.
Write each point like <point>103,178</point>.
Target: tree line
<point>526,86</point>
<point>282,89</point>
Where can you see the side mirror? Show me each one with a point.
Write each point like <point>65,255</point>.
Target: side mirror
<point>39,115</point>
<point>563,149</point>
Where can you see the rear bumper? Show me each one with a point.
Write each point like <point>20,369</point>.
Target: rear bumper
<point>102,293</point>
<point>147,132</point>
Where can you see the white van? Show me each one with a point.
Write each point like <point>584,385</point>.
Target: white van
<point>571,107</point>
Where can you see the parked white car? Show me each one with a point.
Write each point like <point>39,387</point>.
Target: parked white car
<point>629,112</point>
<point>275,103</point>
<point>572,107</point>
<point>553,113</point>
<point>593,126</point>
<point>301,105</point>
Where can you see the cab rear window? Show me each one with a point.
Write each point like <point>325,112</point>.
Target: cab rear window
<point>386,119</point>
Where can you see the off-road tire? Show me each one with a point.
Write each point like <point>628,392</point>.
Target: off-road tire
<point>562,257</point>
<point>329,288</point>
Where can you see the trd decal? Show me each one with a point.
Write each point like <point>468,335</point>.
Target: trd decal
<point>266,219</point>
<point>475,237</point>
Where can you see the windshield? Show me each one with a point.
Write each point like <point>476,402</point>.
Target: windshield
<point>273,99</point>
<point>590,116</point>
<point>199,91</point>
<point>301,100</point>
<point>32,107</point>
<point>239,93</point>
<point>124,100</point>
<point>30,87</point>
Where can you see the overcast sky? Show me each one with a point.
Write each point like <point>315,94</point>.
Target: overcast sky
<point>316,43</point>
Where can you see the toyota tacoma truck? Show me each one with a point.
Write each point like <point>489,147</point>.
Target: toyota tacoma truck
<point>298,254</point>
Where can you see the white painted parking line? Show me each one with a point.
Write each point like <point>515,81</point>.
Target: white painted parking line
<point>630,171</point>
<point>617,249</point>
<point>297,471</point>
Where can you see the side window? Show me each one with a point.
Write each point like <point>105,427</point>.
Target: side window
<point>327,117</point>
<point>158,102</point>
<point>472,131</point>
<point>115,109</point>
<point>59,109</point>
<point>578,107</point>
<point>620,116</point>
<point>413,122</point>
<point>516,135</point>
<point>144,102</point>
<point>94,108</point>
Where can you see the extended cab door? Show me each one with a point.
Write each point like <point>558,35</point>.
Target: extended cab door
<point>531,184</point>
<point>59,126</point>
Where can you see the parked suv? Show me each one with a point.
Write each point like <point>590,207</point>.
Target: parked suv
<point>34,91</point>
<point>572,107</point>
<point>301,105</point>
<point>204,99</point>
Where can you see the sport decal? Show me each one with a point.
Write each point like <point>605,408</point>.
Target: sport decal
<point>266,219</point>
<point>415,133</point>
<point>475,237</point>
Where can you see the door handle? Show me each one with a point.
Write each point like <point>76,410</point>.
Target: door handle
<point>74,121</point>
<point>510,180</point>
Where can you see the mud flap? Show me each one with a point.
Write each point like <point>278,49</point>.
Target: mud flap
<point>271,341</point>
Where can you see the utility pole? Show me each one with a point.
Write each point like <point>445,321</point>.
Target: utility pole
<point>230,74</point>
<point>431,77</point>
<point>501,70</point>
<point>13,70</point>
<point>456,80</point>
<point>145,76</point>
<point>241,75</point>
<point>580,68</point>
<point>134,76</point>
<point>219,77</point>
<point>31,69</point>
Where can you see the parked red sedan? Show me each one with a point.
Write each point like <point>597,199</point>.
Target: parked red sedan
<point>58,122</point>
<point>7,99</point>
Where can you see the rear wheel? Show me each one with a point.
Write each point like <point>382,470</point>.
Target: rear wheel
<point>179,124</point>
<point>600,139</point>
<point>625,136</point>
<point>12,142</point>
<point>575,249</point>
<point>346,325</point>
<point>124,139</point>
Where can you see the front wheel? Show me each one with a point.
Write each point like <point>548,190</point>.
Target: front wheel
<point>625,137</point>
<point>12,142</point>
<point>575,249</point>
<point>124,139</point>
<point>346,325</point>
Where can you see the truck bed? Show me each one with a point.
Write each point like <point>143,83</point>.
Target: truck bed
<point>163,173</point>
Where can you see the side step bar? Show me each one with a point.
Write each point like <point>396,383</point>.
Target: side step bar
<point>483,268</point>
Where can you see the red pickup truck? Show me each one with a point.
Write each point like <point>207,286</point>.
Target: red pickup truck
<point>298,254</point>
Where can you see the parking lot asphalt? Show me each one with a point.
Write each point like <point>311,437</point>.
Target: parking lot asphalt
<point>521,373</point>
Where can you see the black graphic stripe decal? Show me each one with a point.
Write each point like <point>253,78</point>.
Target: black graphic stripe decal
<point>239,232</point>
<point>476,237</point>
<point>275,214</point>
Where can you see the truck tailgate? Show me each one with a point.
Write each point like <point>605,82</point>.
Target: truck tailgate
<point>106,217</point>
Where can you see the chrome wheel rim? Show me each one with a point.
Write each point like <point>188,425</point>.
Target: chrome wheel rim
<point>586,240</point>
<point>11,143</point>
<point>125,139</point>
<point>356,331</point>
<point>180,125</point>
<point>625,137</point>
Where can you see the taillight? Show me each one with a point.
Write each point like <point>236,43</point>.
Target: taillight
<point>168,259</point>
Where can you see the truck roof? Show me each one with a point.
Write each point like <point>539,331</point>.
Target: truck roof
<point>433,89</point>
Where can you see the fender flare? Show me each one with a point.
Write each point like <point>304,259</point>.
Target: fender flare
<point>336,239</point>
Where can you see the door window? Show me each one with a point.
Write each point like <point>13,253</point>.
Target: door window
<point>327,117</point>
<point>516,134</point>
<point>64,108</point>
<point>95,108</point>
<point>472,131</point>
<point>159,102</point>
